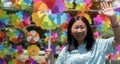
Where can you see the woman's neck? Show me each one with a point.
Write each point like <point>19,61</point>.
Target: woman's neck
<point>80,42</point>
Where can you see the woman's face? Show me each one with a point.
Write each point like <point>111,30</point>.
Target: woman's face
<point>79,30</point>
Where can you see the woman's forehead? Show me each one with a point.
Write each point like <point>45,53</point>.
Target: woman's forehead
<point>79,22</point>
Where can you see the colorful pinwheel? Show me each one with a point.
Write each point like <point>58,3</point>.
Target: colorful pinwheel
<point>97,34</point>
<point>2,61</point>
<point>21,4</point>
<point>101,22</point>
<point>16,36</point>
<point>46,15</point>
<point>2,48</point>
<point>19,50</point>
<point>20,20</point>
<point>31,61</point>
<point>53,47</point>
<point>64,26</point>
<point>33,50</point>
<point>4,18</point>
<point>63,36</point>
<point>33,36</point>
<point>53,36</point>
<point>2,36</point>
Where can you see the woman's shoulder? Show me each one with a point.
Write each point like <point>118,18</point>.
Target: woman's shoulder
<point>104,39</point>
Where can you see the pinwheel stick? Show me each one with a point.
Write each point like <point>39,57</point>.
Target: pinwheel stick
<point>49,43</point>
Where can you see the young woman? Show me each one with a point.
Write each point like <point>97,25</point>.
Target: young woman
<point>81,47</point>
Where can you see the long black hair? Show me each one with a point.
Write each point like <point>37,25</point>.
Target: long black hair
<point>72,42</point>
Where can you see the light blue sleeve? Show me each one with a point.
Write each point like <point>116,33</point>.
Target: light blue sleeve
<point>62,57</point>
<point>106,45</point>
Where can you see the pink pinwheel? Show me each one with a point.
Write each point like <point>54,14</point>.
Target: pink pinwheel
<point>97,20</point>
<point>19,49</point>
<point>101,22</point>
<point>54,36</point>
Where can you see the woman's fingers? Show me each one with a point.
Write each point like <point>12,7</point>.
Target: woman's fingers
<point>107,9</point>
<point>105,5</point>
<point>48,54</point>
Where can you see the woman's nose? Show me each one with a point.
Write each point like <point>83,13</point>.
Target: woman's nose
<point>79,30</point>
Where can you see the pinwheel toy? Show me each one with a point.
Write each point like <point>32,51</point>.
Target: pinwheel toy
<point>53,36</point>
<point>97,34</point>
<point>31,61</point>
<point>33,36</point>
<point>2,61</point>
<point>33,50</point>
<point>63,36</point>
<point>53,47</point>
<point>4,18</point>
<point>2,36</point>
<point>101,22</point>
<point>64,26</point>
<point>20,20</point>
<point>58,7</point>
<point>16,36</point>
<point>21,4</point>
<point>2,48</point>
<point>50,17</point>
<point>19,50</point>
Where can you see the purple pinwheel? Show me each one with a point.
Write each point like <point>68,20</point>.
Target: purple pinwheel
<point>117,9</point>
<point>58,7</point>
<point>2,61</point>
<point>52,47</point>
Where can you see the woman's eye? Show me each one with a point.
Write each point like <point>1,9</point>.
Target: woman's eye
<point>82,27</point>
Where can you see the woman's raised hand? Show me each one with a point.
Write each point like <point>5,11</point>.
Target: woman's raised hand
<point>107,9</point>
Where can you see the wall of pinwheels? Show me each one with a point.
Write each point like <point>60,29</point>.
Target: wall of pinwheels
<point>35,25</point>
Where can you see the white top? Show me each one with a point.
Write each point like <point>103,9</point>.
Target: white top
<point>82,56</point>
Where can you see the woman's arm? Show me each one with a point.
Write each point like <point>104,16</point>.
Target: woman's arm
<point>109,12</point>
